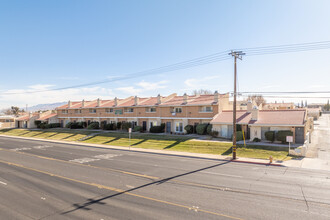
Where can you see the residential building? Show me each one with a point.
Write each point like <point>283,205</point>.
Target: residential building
<point>279,106</point>
<point>7,121</point>
<point>256,122</point>
<point>174,111</point>
<point>28,120</point>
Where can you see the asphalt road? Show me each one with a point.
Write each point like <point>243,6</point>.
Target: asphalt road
<point>43,180</point>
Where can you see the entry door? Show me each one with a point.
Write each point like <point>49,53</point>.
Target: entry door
<point>299,135</point>
<point>144,125</point>
<point>168,127</point>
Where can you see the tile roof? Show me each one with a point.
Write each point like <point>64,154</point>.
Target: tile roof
<point>46,117</point>
<point>265,117</point>
<point>147,101</point>
<point>226,117</point>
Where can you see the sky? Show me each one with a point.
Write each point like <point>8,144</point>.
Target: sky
<point>58,43</point>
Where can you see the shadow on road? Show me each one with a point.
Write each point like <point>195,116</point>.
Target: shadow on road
<point>90,202</point>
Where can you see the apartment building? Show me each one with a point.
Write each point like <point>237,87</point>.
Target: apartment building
<point>174,111</point>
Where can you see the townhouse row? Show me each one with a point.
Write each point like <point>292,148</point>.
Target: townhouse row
<point>174,111</point>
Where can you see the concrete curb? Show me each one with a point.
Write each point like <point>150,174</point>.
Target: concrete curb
<point>153,151</point>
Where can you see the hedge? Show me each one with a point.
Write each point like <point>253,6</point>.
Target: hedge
<point>209,129</point>
<point>93,125</point>
<point>281,135</point>
<point>214,133</point>
<point>157,129</point>
<point>110,126</point>
<point>270,135</point>
<point>201,129</point>
<point>138,128</point>
<point>119,125</point>
<point>126,125</point>
<point>189,129</point>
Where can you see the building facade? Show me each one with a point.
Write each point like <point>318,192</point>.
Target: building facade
<point>174,111</point>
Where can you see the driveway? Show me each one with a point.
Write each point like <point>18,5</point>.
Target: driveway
<point>318,154</point>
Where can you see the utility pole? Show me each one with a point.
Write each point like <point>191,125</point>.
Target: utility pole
<point>235,54</point>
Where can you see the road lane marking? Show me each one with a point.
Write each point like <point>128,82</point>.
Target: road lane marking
<point>84,160</point>
<point>107,156</point>
<point>3,183</point>
<point>100,186</point>
<point>22,148</point>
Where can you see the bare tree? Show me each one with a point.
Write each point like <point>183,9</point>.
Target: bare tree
<point>14,110</point>
<point>202,92</point>
<point>259,99</point>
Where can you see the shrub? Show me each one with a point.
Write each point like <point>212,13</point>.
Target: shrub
<point>126,125</point>
<point>138,128</point>
<point>256,140</point>
<point>209,129</point>
<point>119,125</point>
<point>37,123</point>
<point>239,135</point>
<point>214,133</point>
<point>157,129</point>
<point>42,125</point>
<point>93,125</point>
<point>281,135</point>
<point>270,135</point>
<point>189,129</point>
<point>201,129</point>
<point>68,125</point>
<point>110,126</point>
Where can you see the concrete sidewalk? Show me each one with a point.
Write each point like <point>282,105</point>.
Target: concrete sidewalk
<point>163,152</point>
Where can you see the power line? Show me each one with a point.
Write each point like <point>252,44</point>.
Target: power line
<point>212,58</point>
<point>287,92</point>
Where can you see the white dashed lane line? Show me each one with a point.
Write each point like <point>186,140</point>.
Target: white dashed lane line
<point>95,158</point>
<point>3,183</point>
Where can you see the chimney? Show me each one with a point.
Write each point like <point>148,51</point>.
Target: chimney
<point>185,98</point>
<point>69,104</point>
<point>136,100</point>
<point>249,106</point>
<point>98,102</point>
<point>254,113</point>
<point>216,96</point>
<point>116,101</point>
<point>159,99</point>
<point>83,103</point>
<point>30,114</point>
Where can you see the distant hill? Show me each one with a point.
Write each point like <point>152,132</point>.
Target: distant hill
<point>43,107</point>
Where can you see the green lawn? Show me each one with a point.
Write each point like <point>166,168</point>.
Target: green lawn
<point>151,141</point>
<point>54,134</point>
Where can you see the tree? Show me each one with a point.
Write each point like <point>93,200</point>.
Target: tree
<point>302,103</point>
<point>202,92</point>
<point>259,99</point>
<point>14,110</point>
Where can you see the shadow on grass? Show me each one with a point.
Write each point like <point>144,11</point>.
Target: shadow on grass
<point>173,145</point>
<point>89,202</point>
<point>139,142</point>
<point>115,139</point>
<point>68,136</point>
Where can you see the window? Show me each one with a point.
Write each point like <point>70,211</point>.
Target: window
<point>77,111</point>
<point>64,111</point>
<point>129,110</point>
<point>92,110</point>
<point>118,112</point>
<point>206,109</point>
<point>152,109</point>
<point>178,110</point>
<point>109,110</point>
<point>178,127</point>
